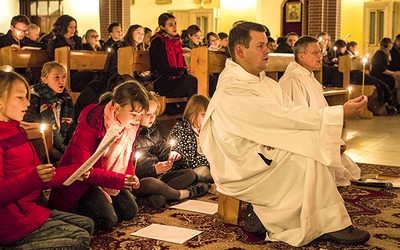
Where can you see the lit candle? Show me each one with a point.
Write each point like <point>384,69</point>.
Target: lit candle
<point>171,143</point>
<point>364,60</point>
<point>137,156</point>
<point>109,50</point>
<point>42,128</point>
<point>349,89</point>
<point>334,51</point>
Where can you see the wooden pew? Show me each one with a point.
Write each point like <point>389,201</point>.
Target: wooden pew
<point>203,63</point>
<point>22,58</point>
<point>346,65</point>
<point>131,60</point>
<point>79,60</point>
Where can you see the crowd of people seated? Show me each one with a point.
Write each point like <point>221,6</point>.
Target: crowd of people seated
<point>138,167</point>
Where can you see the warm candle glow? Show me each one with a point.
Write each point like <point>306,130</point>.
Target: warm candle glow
<point>42,128</point>
<point>137,156</point>
<point>334,51</point>
<point>349,89</point>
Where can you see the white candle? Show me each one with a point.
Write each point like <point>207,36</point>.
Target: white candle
<point>137,156</point>
<point>349,89</point>
<point>334,51</point>
<point>364,60</point>
<point>42,128</point>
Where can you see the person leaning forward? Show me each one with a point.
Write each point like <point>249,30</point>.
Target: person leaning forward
<point>268,142</point>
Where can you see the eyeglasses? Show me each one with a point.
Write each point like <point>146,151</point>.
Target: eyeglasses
<point>198,37</point>
<point>21,30</point>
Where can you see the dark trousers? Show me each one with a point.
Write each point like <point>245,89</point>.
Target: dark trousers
<point>105,215</point>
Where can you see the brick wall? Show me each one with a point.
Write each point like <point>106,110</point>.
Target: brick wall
<point>114,11</point>
<point>323,15</point>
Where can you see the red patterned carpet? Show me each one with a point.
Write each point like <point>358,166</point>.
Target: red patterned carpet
<point>377,211</point>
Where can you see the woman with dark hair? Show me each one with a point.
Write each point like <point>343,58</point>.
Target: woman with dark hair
<point>167,60</point>
<point>191,37</point>
<point>134,37</point>
<point>380,62</point>
<point>65,34</point>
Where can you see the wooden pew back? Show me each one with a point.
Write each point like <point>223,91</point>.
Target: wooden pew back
<point>23,58</point>
<point>79,60</point>
<point>203,63</point>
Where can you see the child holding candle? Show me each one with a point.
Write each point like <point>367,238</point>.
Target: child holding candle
<point>106,195</point>
<point>51,104</point>
<point>24,224</point>
<point>158,182</point>
<point>186,134</point>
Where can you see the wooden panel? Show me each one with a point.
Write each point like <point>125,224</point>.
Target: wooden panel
<point>131,60</point>
<point>229,209</point>
<point>23,58</point>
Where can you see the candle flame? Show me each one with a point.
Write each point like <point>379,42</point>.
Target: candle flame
<point>109,49</point>
<point>42,127</point>
<point>364,60</point>
<point>172,142</point>
<point>334,47</point>
<point>350,89</point>
<point>137,155</point>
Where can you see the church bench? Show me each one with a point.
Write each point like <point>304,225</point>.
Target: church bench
<point>22,58</point>
<point>204,62</point>
<point>346,65</point>
<point>79,60</point>
<point>130,61</point>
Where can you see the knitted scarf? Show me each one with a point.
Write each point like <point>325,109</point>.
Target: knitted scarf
<point>118,154</point>
<point>55,109</point>
<point>173,48</point>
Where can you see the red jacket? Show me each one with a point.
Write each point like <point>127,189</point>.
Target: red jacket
<point>87,137</point>
<point>20,184</point>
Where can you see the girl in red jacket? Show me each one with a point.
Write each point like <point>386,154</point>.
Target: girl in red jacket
<point>24,224</point>
<point>105,195</point>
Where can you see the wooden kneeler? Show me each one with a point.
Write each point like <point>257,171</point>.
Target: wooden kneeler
<point>229,209</point>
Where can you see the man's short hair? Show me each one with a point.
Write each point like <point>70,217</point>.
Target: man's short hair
<point>240,35</point>
<point>20,19</point>
<point>397,38</point>
<point>111,27</point>
<point>291,34</point>
<point>222,35</point>
<point>301,46</point>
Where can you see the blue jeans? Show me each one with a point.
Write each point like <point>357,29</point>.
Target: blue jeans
<point>61,231</point>
<point>105,215</point>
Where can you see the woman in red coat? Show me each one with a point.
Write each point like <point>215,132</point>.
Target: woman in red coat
<point>25,224</point>
<point>105,195</point>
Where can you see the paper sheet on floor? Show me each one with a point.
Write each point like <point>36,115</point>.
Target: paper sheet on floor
<point>167,233</point>
<point>198,206</point>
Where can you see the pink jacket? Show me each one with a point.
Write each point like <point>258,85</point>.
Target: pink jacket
<point>20,184</point>
<point>88,135</point>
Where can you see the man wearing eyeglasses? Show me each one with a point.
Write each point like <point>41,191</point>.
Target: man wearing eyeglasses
<point>18,30</point>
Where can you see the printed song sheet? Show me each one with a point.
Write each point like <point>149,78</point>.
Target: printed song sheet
<point>198,206</point>
<point>109,137</point>
<point>167,233</point>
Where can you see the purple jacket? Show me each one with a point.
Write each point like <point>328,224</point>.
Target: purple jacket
<point>87,137</point>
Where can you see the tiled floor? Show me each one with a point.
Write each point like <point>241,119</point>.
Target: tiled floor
<point>375,140</point>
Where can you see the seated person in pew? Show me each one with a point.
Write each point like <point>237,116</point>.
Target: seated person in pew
<point>91,94</point>
<point>166,58</point>
<point>112,45</point>
<point>31,38</point>
<point>332,77</point>
<point>148,33</point>
<point>25,224</point>
<point>158,181</point>
<point>213,42</point>
<point>287,46</point>
<point>106,195</point>
<point>266,151</point>
<point>90,41</point>
<point>51,104</point>
<point>192,37</point>
<point>16,33</point>
<point>185,133</point>
<point>134,37</point>
<point>65,34</point>
<point>352,49</point>
<point>299,83</point>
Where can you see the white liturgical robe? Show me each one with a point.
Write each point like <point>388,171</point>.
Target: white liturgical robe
<point>295,195</point>
<point>302,87</point>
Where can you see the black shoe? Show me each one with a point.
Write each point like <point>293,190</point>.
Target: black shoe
<point>348,236</point>
<point>153,201</point>
<point>252,223</point>
<point>198,189</point>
